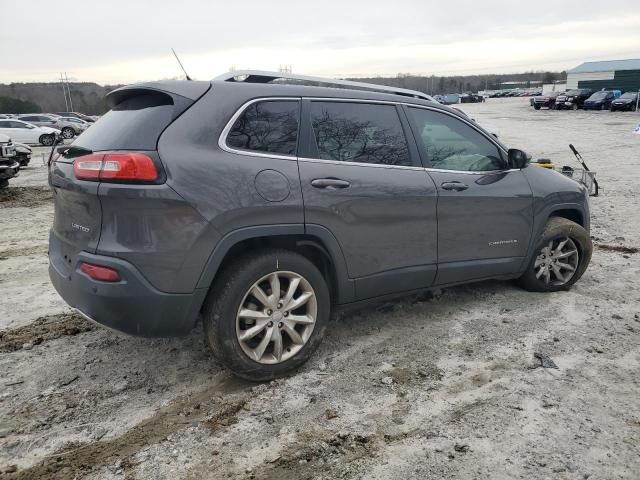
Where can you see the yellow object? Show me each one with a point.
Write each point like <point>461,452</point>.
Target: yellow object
<point>544,163</point>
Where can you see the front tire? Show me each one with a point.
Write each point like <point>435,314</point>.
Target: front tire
<point>46,140</point>
<point>560,258</point>
<point>267,314</point>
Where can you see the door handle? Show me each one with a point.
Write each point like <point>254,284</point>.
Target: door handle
<point>330,183</point>
<point>457,186</point>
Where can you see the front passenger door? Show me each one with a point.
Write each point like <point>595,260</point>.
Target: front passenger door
<point>484,208</point>
<point>362,181</point>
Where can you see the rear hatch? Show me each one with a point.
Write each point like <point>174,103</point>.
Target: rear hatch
<point>121,148</point>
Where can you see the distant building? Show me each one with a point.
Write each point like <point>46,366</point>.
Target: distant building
<point>611,75</point>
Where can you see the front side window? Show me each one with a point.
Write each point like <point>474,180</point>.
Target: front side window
<point>359,132</point>
<point>270,126</point>
<point>450,144</point>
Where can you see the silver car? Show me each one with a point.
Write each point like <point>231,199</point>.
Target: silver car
<point>70,127</point>
<point>66,124</point>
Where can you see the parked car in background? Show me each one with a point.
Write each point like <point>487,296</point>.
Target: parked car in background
<point>451,99</point>
<point>471,98</point>
<point>72,126</point>
<point>547,101</point>
<point>626,103</point>
<point>24,132</point>
<point>573,99</point>
<point>69,126</point>
<point>196,200</point>
<point>81,116</point>
<point>9,166</point>
<point>40,119</point>
<point>23,154</point>
<point>599,101</point>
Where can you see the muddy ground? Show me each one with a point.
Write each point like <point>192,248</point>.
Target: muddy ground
<point>436,386</point>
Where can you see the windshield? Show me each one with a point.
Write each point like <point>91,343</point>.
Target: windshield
<point>573,92</point>
<point>628,96</point>
<point>599,95</point>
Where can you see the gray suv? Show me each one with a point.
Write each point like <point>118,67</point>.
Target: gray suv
<point>259,202</point>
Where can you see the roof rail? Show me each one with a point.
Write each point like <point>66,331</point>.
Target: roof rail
<point>260,76</point>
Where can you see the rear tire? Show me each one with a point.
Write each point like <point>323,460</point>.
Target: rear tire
<point>68,132</point>
<point>4,183</point>
<point>537,107</point>
<point>46,140</point>
<point>232,310</point>
<point>547,258</point>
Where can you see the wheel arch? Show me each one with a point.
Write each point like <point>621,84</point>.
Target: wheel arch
<point>571,211</point>
<point>574,214</point>
<point>314,242</point>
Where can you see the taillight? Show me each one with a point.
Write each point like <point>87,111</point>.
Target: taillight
<point>114,166</point>
<point>100,273</point>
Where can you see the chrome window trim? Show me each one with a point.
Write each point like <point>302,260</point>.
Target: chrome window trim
<point>469,172</point>
<point>359,164</point>
<point>222,141</point>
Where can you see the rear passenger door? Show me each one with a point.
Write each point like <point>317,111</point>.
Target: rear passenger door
<point>362,181</point>
<point>484,208</point>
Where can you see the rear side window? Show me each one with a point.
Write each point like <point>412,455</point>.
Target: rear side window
<point>359,132</point>
<point>270,126</point>
<point>451,144</point>
<point>135,123</point>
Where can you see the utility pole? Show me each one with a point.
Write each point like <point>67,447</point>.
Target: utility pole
<point>64,92</point>
<point>69,90</point>
<point>638,101</point>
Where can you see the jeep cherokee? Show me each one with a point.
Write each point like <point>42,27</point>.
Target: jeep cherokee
<point>260,206</point>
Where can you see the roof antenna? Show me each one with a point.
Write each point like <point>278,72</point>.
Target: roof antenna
<point>180,63</point>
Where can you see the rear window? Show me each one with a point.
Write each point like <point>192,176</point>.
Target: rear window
<point>135,123</point>
<point>269,126</point>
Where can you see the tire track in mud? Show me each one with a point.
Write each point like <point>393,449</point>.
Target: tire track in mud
<point>216,407</point>
<point>44,329</point>
<point>23,252</point>
<point>25,197</point>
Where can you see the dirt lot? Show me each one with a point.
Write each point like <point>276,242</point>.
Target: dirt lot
<point>440,386</point>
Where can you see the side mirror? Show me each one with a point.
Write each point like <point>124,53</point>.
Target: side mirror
<point>518,158</point>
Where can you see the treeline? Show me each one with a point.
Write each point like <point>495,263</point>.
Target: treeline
<point>435,85</point>
<point>87,97</point>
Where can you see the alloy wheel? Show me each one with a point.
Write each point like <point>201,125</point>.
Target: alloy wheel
<point>557,262</point>
<point>276,317</point>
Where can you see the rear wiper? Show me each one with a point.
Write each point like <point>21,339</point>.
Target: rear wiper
<point>74,151</point>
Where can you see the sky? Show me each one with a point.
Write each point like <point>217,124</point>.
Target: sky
<point>117,41</point>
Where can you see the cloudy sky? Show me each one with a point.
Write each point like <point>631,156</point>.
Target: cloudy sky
<point>123,41</point>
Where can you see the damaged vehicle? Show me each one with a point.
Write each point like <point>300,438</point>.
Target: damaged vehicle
<point>260,202</point>
<point>23,154</point>
<point>9,167</point>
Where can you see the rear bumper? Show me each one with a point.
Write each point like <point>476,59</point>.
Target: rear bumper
<point>131,305</point>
